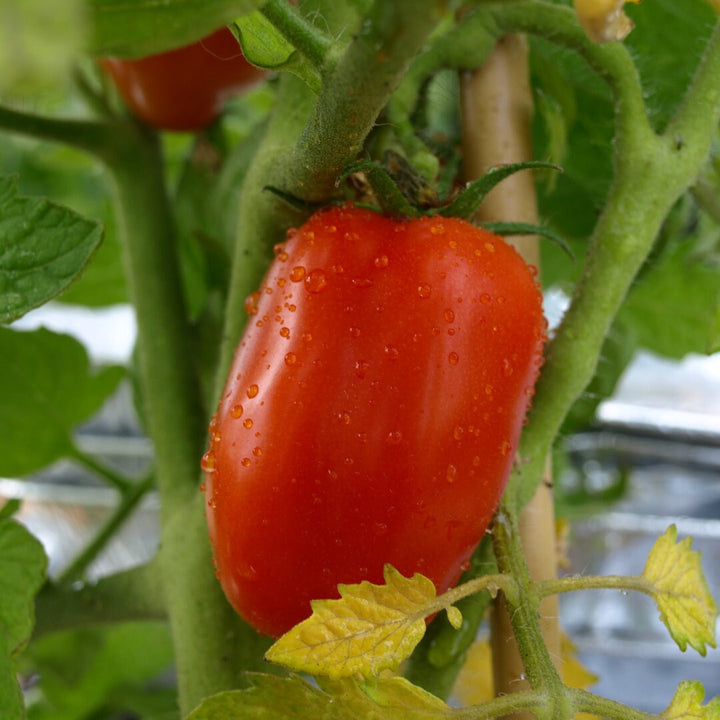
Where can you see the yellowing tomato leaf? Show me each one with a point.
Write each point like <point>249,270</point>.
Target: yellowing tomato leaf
<point>603,20</point>
<point>43,248</point>
<point>687,704</point>
<point>292,698</point>
<point>681,591</point>
<point>369,629</point>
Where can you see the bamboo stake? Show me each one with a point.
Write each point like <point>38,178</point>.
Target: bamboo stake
<point>496,114</point>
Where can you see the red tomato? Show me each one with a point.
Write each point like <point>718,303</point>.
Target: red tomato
<point>184,89</point>
<point>372,410</point>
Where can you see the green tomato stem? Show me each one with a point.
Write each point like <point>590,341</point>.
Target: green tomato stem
<point>596,582</point>
<point>112,478</point>
<point>315,45</point>
<point>129,500</point>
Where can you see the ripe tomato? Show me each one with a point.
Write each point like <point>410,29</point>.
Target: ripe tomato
<point>372,409</point>
<point>185,88</point>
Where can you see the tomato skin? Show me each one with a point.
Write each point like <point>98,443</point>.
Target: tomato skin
<point>372,409</point>
<point>184,89</point>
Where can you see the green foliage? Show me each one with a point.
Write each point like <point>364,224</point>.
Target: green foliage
<point>43,247</point>
<point>22,572</point>
<point>47,388</point>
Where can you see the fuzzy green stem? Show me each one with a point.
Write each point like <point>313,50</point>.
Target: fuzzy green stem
<point>596,582</point>
<point>134,594</point>
<point>120,483</point>
<point>584,701</point>
<point>651,173</point>
<point>311,42</point>
<point>129,500</point>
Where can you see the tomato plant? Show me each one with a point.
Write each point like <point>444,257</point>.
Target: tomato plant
<point>185,88</point>
<point>372,409</point>
<point>379,409</point>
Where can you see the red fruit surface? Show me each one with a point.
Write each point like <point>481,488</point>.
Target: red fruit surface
<point>184,89</point>
<point>372,411</point>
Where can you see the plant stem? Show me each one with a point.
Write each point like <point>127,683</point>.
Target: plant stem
<point>129,500</point>
<point>311,42</point>
<point>651,173</point>
<point>596,582</point>
<point>120,483</point>
<point>134,594</point>
<point>211,644</point>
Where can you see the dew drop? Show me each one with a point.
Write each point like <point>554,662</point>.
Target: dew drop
<point>252,391</point>
<point>424,290</point>
<point>361,368</point>
<point>344,418</point>
<point>247,423</point>
<point>485,299</point>
<point>507,368</point>
<point>505,448</point>
<point>236,411</point>
<point>437,228</point>
<point>251,303</point>
<point>257,451</point>
<point>458,432</point>
<point>490,247</point>
<point>297,274</point>
<point>362,283</point>
<point>451,473</point>
<point>245,462</point>
<point>449,315</point>
<point>391,352</point>
<point>381,261</point>
<point>316,281</point>
<point>285,332</point>
<point>354,332</point>
<point>394,437</point>
<point>290,359</point>
<point>207,463</point>
<point>453,358</point>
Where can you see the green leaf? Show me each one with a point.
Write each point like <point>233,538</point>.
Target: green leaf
<point>22,572</point>
<point>43,248</point>
<point>39,42</point>
<point>100,672</point>
<point>291,698</point>
<point>134,28</point>
<point>671,307</point>
<point>46,388</point>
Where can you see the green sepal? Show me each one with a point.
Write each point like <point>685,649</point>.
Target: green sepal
<point>519,228</point>
<point>303,207</point>
<point>466,204</point>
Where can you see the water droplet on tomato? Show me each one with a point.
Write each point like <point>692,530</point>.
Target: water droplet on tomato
<point>451,473</point>
<point>316,281</point>
<point>290,359</point>
<point>505,447</point>
<point>236,411</point>
<point>285,332</point>
<point>361,368</point>
<point>380,528</point>
<point>453,358</point>
<point>297,274</point>
<point>449,315</point>
<point>437,228</point>
<point>485,299</point>
<point>490,247</point>
<point>394,437</point>
<point>391,352</point>
<point>344,418</point>
<point>207,463</point>
<point>381,261</point>
<point>246,462</point>
<point>354,332</point>
<point>507,368</point>
<point>424,290</point>
<point>307,337</point>
<point>337,269</point>
<point>247,423</point>
<point>489,389</point>
<point>252,391</point>
<point>257,451</point>
<point>362,283</point>
<point>251,303</point>
<point>458,432</point>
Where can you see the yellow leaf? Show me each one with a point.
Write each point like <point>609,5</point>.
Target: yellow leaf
<point>681,591</point>
<point>687,704</point>
<point>369,629</point>
<point>604,20</point>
